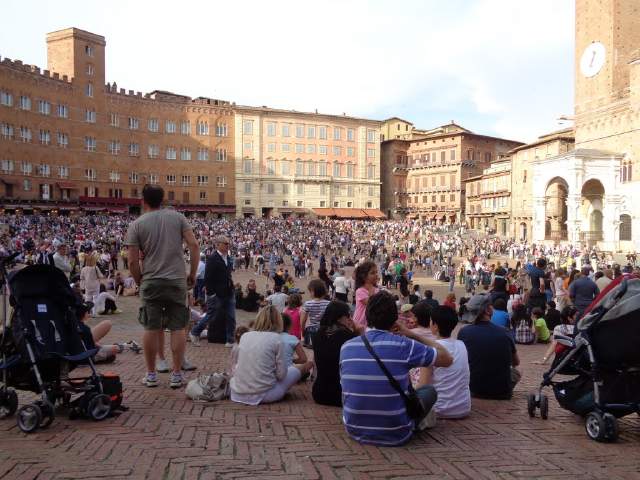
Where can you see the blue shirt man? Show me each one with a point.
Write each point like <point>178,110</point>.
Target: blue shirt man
<point>374,412</point>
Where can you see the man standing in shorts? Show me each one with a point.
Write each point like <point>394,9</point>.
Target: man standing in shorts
<point>158,235</point>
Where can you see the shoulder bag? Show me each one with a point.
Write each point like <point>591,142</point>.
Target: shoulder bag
<point>412,403</point>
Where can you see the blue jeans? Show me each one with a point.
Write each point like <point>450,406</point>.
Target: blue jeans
<point>214,304</point>
<point>197,289</point>
<point>427,395</point>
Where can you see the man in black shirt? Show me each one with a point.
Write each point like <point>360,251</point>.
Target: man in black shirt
<point>491,350</point>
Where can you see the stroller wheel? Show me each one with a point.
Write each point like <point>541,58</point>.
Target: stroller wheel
<point>29,418</point>
<point>611,427</point>
<point>48,413</point>
<point>99,407</point>
<point>595,427</point>
<point>531,404</point>
<point>8,402</point>
<point>544,406</point>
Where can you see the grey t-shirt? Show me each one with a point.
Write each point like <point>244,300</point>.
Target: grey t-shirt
<point>159,235</point>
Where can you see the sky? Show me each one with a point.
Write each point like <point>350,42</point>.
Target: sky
<point>496,67</point>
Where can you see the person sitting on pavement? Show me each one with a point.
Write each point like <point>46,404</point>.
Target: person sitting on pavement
<point>261,373</point>
<point>429,300</point>
<point>336,327</point>
<point>251,302</point>
<point>451,383</point>
<point>542,331</point>
<point>293,351</point>
<point>491,350</point>
<point>552,316</point>
<point>500,317</point>
<point>373,411</point>
<point>294,307</point>
<point>582,291</point>
<point>522,326</point>
<point>313,309</point>
<point>105,302</point>
<point>566,329</point>
<point>106,353</point>
<point>278,299</point>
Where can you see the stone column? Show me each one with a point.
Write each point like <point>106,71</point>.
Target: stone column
<point>539,206</point>
<point>574,225</point>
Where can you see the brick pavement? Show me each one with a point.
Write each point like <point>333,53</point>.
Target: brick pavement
<point>166,436</point>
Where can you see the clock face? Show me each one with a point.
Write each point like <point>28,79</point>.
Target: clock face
<point>592,59</point>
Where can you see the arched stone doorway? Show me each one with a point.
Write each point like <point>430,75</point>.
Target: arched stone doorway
<point>555,225</point>
<point>591,212</point>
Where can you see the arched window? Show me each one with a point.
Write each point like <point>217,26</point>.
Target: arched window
<point>625,227</point>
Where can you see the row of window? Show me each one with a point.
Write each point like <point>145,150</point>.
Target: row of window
<point>425,198</point>
<point>46,193</point>
<point>308,168</point>
<point>171,126</point>
<point>24,103</point>
<point>495,203</point>
<point>434,180</point>
<point>308,131</point>
<point>133,123</point>
<point>441,156</point>
<point>153,151</point>
<point>311,149</point>
<point>62,171</point>
<point>321,203</point>
<point>343,190</point>
<point>113,146</point>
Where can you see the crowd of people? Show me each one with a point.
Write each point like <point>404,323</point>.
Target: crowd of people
<point>390,355</point>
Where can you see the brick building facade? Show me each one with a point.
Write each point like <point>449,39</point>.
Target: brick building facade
<point>428,173</point>
<point>69,141</point>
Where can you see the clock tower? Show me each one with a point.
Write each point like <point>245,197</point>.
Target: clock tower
<point>607,35</point>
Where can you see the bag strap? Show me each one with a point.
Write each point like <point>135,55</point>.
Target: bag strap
<point>394,383</point>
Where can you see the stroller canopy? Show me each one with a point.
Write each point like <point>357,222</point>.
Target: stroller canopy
<point>41,281</point>
<point>612,323</point>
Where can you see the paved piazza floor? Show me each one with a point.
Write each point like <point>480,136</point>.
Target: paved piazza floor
<point>166,436</point>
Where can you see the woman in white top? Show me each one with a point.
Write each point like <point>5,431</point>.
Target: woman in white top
<point>90,277</point>
<point>261,374</point>
<point>451,383</point>
<point>562,294</point>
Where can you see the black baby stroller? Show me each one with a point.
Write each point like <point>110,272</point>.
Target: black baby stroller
<point>604,359</point>
<point>41,345</point>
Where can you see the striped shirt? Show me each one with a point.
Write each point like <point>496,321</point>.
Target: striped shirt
<point>315,309</point>
<point>373,411</point>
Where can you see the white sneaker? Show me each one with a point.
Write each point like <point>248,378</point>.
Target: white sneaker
<point>175,381</point>
<point>195,341</point>
<point>150,380</point>
<point>163,366</point>
<point>187,366</point>
<point>228,345</point>
<point>429,421</point>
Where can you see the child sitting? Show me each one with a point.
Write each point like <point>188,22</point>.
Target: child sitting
<point>523,328</point>
<point>500,316</point>
<point>235,349</point>
<point>451,383</point>
<point>542,332</point>
<point>292,345</point>
<point>293,310</point>
<point>91,336</point>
